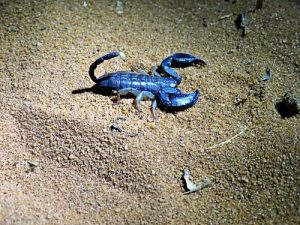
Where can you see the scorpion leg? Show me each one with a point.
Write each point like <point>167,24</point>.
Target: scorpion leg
<point>126,91</point>
<point>154,71</point>
<point>140,95</point>
<point>181,60</point>
<point>143,95</point>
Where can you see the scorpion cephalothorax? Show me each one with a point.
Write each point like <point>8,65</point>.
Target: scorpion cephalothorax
<point>162,91</point>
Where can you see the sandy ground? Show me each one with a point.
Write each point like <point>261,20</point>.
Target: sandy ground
<point>62,164</point>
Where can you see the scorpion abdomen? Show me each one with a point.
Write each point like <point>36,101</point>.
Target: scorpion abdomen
<point>141,82</point>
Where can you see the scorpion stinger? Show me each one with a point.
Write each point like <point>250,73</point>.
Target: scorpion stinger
<point>162,91</point>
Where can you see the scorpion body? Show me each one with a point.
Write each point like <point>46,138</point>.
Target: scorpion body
<point>140,82</point>
<point>162,91</point>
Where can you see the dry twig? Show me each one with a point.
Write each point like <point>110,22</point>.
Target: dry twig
<point>229,140</point>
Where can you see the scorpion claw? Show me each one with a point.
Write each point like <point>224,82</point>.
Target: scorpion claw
<point>181,60</point>
<point>177,101</point>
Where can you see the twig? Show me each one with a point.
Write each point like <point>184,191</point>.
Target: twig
<point>229,140</point>
<point>225,16</point>
<point>220,18</point>
<point>259,4</point>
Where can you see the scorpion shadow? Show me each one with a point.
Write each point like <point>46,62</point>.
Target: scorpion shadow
<point>99,91</point>
<point>94,89</point>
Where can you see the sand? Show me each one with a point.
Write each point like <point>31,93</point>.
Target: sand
<point>61,163</point>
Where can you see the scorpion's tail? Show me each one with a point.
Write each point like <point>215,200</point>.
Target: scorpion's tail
<point>108,56</point>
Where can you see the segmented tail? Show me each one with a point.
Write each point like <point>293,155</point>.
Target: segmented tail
<point>108,56</point>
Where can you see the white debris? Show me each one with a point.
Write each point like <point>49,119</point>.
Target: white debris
<point>119,7</point>
<point>268,73</point>
<point>85,3</point>
<point>191,186</point>
<point>122,55</point>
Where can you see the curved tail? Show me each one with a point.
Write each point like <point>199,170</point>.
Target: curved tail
<point>108,56</point>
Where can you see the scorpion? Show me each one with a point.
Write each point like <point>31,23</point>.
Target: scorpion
<point>161,90</point>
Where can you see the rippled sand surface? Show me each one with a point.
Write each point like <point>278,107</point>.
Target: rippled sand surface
<point>60,161</point>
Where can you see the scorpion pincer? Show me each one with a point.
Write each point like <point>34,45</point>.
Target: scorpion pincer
<point>161,90</point>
